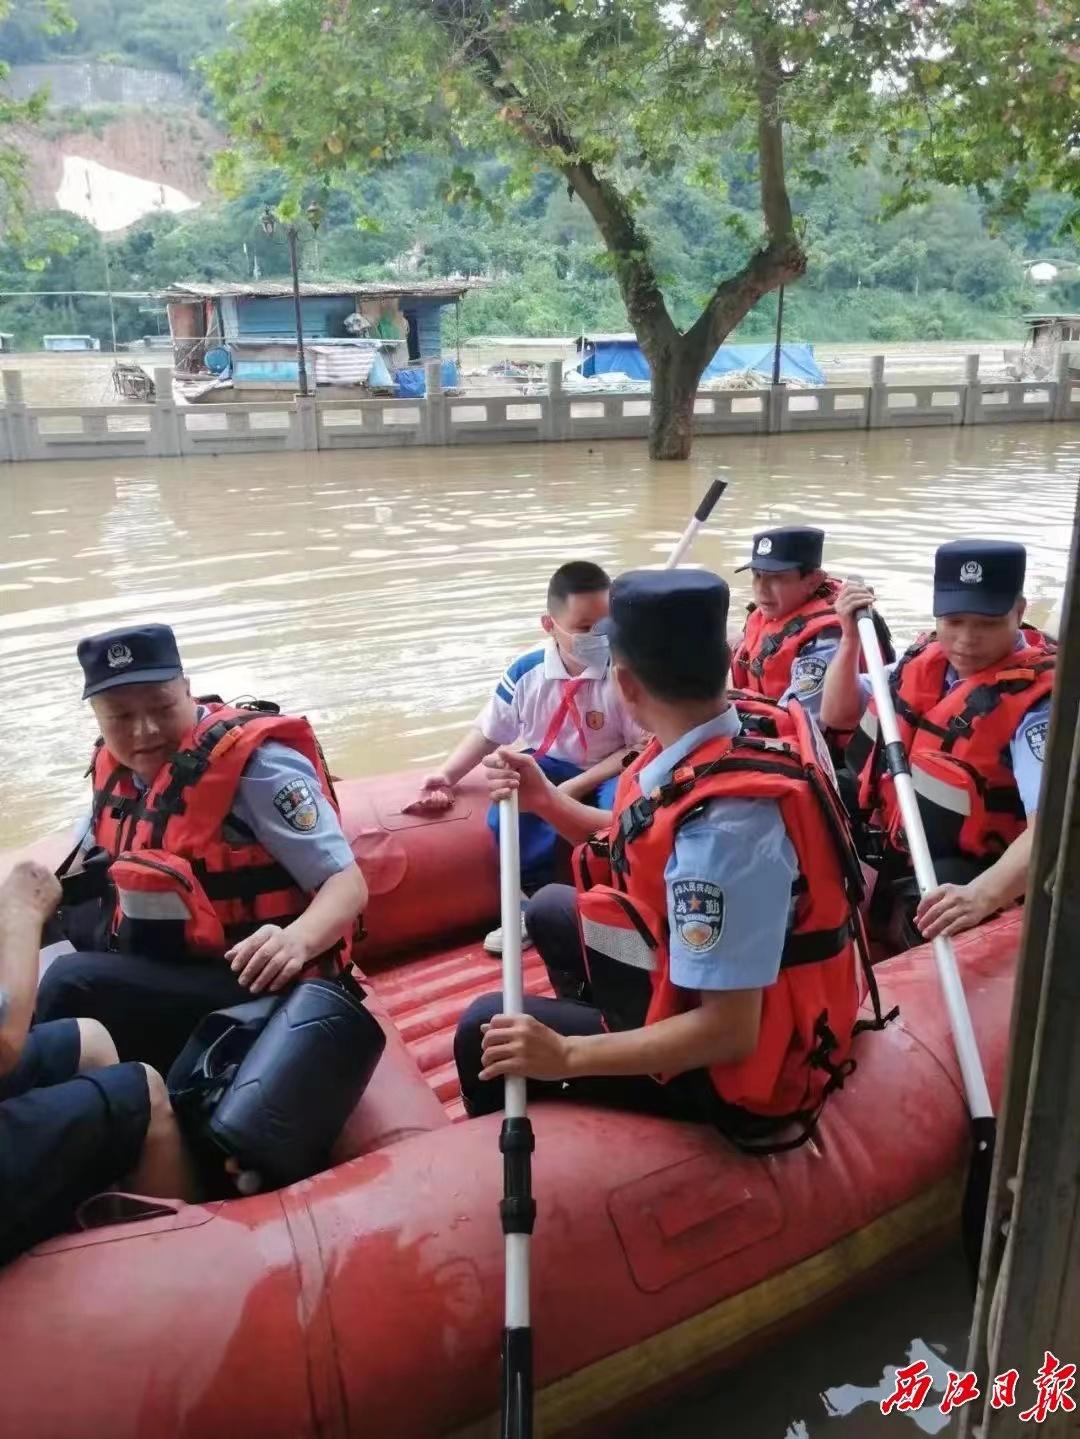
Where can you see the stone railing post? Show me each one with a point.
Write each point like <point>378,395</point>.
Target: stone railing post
<point>17,421</point>
<point>878,403</point>
<point>972,406</point>
<point>165,424</point>
<point>306,433</point>
<point>1064,385</point>
<point>776,418</point>
<point>556,418</point>
<point>434,416</point>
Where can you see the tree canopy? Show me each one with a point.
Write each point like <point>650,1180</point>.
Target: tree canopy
<point>609,94</point>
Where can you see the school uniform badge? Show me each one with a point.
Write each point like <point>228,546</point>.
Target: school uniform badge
<point>698,912</point>
<point>1036,737</point>
<point>594,719</point>
<point>296,805</point>
<point>808,674</point>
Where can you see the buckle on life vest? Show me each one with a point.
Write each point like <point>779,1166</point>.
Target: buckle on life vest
<point>681,782</point>
<point>818,1058</point>
<point>636,819</point>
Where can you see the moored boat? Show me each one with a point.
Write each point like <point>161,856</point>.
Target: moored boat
<point>368,1300</point>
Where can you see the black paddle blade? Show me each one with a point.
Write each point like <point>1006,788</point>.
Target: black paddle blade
<point>517,1384</point>
<point>977,1192</point>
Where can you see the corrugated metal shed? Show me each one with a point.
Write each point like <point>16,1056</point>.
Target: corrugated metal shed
<point>361,289</point>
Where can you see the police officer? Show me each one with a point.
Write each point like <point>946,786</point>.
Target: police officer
<point>229,872</point>
<point>792,628</point>
<point>972,702</point>
<point>698,968</point>
<point>72,1120</point>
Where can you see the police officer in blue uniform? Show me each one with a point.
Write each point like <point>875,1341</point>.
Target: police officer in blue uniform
<point>142,701</point>
<point>668,633</point>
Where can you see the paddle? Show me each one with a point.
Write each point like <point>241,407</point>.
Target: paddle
<point>701,514</point>
<point>983,1123</point>
<point>518,1208</point>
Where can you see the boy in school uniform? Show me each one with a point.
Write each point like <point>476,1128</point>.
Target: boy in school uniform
<point>560,704</point>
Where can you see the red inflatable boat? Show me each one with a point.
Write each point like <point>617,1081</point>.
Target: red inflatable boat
<point>368,1301</point>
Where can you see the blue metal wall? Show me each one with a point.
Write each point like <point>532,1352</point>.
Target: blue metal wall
<point>323,317</point>
<point>427,315</point>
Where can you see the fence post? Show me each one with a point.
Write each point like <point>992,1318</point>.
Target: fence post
<point>434,414</point>
<point>556,418</point>
<point>1063,388</point>
<point>18,423</point>
<point>776,421</point>
<point>307,422</point>
<point>972,406</point>
<point>165,421</point>
<point>878,405</point>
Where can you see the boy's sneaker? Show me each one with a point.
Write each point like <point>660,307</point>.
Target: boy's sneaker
<point>493,942</point>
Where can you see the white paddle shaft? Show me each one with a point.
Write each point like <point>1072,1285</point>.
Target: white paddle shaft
<point>967,1050</point>
<point>700,515</point>
<point>516,1245</point>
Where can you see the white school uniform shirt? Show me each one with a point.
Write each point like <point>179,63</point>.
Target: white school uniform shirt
<point>527,699</point>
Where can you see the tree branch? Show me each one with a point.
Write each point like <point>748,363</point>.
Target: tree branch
<point>608,207</point>
<point>782,259</point>
<point>775,204</point>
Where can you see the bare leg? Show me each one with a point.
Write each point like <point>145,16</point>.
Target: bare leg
<point>164,1170</point>
<point>96,1049</point>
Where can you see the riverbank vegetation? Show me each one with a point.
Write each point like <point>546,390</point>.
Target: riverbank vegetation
<point>938,271</point>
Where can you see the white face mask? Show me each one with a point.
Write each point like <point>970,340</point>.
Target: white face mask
<point>591,650</point>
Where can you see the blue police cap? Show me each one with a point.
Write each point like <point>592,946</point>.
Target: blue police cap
<point>978,577</point>
<point>134,655</point>
<point>790,547</point>
<point>670,622</point>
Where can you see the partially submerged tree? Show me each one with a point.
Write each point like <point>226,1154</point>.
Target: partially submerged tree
<point>606,93</point>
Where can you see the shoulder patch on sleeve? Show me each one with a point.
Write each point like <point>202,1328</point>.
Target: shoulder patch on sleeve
<point>1035,734</point>
<point>521,666</point>
<point>808,674</point>
<point>296,804</point>
<point>698,912</point>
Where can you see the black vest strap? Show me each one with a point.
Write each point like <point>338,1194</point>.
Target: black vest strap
<point>814,946</point>
<point>186,768</point>
<point>775,642</point>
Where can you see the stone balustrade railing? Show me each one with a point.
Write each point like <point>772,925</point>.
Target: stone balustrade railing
<point>163,428</point>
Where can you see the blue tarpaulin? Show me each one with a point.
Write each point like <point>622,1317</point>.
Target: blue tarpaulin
<point>606,355</point>
<point>411,384</point>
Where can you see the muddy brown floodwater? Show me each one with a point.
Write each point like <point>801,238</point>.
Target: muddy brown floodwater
<point>383,591</point>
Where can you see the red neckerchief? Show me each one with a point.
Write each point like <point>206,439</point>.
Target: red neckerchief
<point>567,707</point>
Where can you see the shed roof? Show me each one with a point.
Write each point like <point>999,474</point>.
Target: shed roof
<point>278,289</point>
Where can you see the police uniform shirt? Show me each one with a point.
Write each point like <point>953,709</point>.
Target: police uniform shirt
<point>729,880</point>
<point>1026,747</point>
<point>529,695</point>
<point>274,802</point>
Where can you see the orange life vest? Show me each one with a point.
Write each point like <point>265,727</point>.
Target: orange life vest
<point>764,656</point>
<point>188,880</point>
<point>957,745</point>
<point>808,1015</point>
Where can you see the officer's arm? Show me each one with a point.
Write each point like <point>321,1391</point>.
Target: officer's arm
<point>1006,879</point>
<point>722,1029</point>
<point>511,771</point>
<point>842,697</point>
<point>332,910</point>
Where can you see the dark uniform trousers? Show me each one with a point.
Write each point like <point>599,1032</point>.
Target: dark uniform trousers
<point>551,919</point>
<point>149,1006</point>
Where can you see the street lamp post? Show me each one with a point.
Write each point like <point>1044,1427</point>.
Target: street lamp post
<point>269,224</point>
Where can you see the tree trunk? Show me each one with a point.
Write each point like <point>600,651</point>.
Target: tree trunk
<point>675,376</point>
